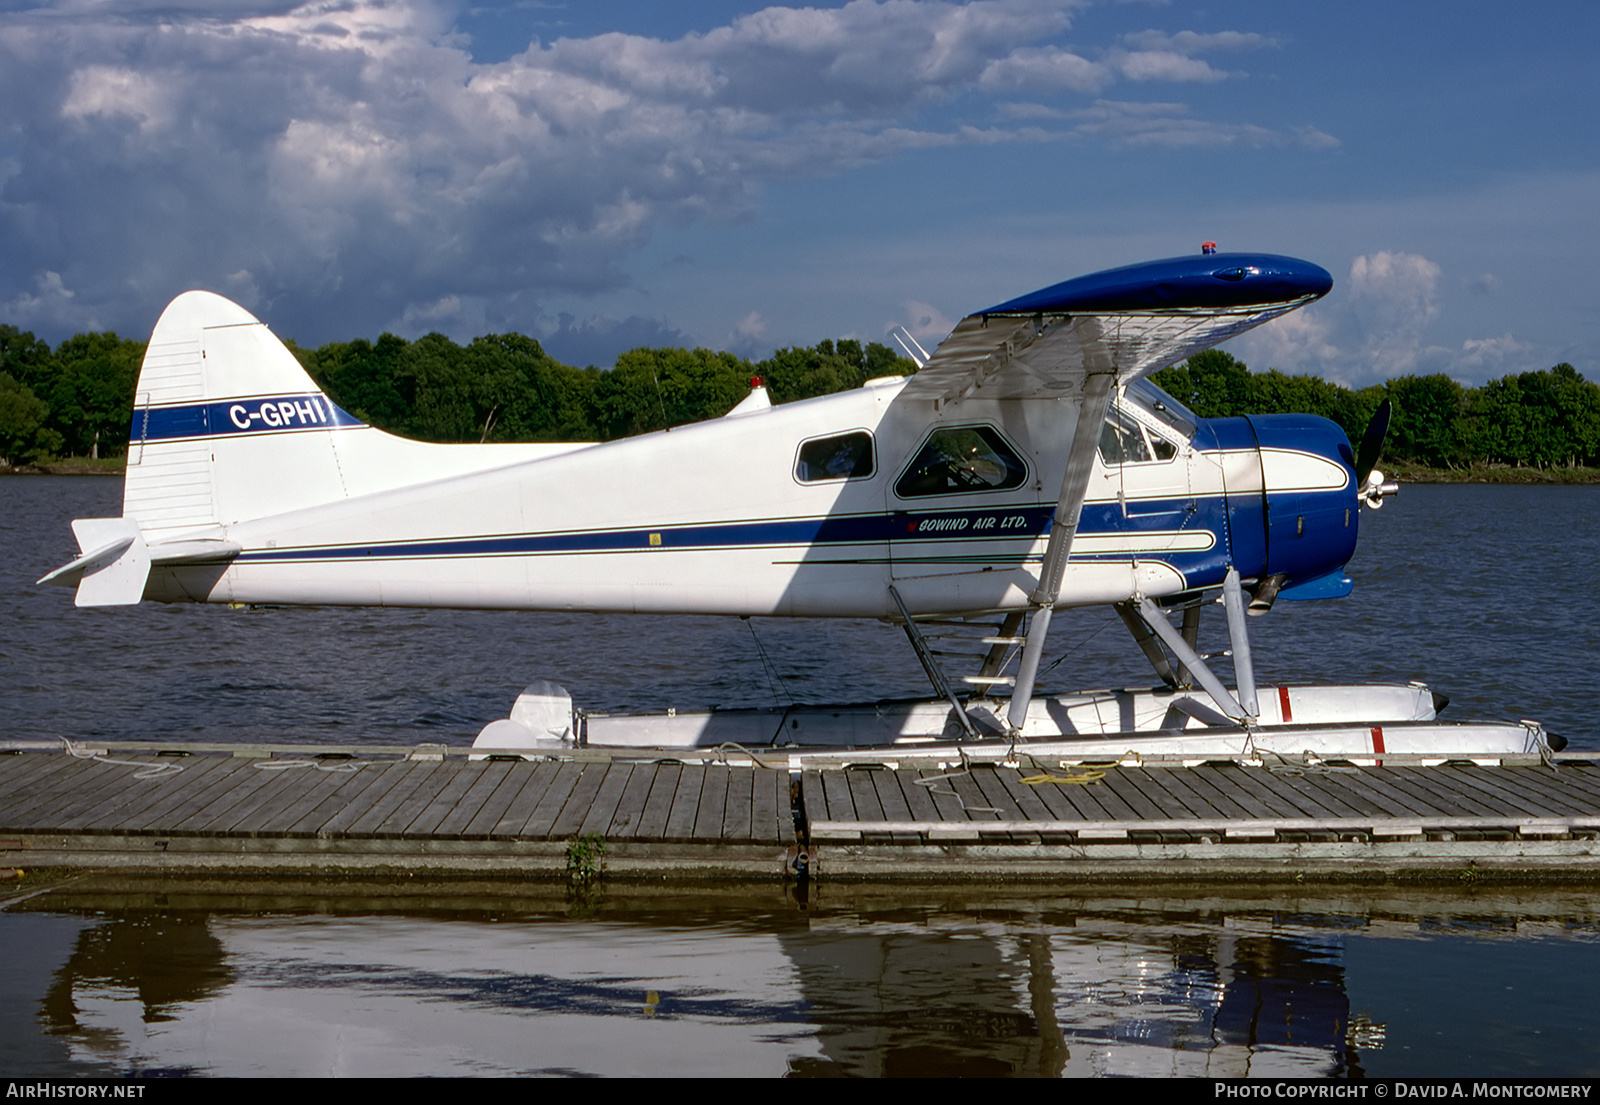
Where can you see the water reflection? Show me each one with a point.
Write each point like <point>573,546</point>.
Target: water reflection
<point>407,980</point>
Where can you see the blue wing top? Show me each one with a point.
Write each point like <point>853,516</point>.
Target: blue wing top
<point>1220,280</point>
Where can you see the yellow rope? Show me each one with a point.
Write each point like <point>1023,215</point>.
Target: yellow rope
<point>1083,778</point>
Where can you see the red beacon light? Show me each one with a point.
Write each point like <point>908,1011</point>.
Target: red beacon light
<point>755,382</point>
<point>1208,248</point>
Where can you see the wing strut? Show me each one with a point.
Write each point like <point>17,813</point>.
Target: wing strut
<point>1097,392</point>
<point>1240,706</point>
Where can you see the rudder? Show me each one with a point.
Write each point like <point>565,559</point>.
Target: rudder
<point>226,424</point>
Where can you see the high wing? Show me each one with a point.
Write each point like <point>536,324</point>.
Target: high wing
<point>1079,340</point>
<point>1127,322</point>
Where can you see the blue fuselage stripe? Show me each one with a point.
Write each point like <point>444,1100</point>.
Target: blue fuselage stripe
<point>239,418</point>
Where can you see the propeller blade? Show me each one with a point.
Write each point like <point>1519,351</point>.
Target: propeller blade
<point>1372,442</point>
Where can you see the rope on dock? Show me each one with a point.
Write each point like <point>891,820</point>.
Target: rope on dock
<point>147,770</point>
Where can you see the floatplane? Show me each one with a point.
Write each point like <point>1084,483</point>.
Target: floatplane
<point>1028,465</point>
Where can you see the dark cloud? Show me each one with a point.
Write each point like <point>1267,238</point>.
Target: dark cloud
<point>598,341</point>
<point>346,167</point>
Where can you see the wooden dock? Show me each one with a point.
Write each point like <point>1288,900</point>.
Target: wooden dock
<point>292,809</point>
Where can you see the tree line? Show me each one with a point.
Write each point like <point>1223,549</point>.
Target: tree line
<point>76,399</point>
<point>1544,419</point>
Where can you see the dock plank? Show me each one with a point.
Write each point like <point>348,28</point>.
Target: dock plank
<point>552,801</point>
<point>840,804</point>
<point>1227,783</point>
<point>1362,792</point>
<point>371,784</point>
<point>117,801</point>
<point>314,821</point>
<point>606,800</point>
<point>1318,803</point>
<point>917,797</point>
<point>1486,781</point>
<point>658,806</point>
<point>213,809</point>
<point>213,775</point>
<point>522,806</point>
<point>713,805</point>
<point>1442,795</point>
<point>738,812</point>
<point>1148,783</point>
<point>629,814</point>
<point>445,801</point>
<point>864,793</point>
<point>769,796</point>
<point>414,775</point>
<point>20,771</point>
<point>486,801</point>
<point>68,794</point>
<point>1122,783</point>
<point>947,804</point>
<point>974,805</point>
<point>1173,782</point>
<point>685,805</point>
<point>324,785</point>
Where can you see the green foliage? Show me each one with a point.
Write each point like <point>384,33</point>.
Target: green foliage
<point>584,859</point>
<point>24,438</point>
<point>651,389</point>
<point>1536,419</point>
<point>828,367</point>
<point>504,387</point>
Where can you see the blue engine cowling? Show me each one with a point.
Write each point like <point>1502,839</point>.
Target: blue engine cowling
<point>1293,512</point>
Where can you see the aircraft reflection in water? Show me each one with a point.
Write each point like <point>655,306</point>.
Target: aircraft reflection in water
<point>898,992</point>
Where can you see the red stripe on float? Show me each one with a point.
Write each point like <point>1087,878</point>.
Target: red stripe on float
<point>1283,702</point>
<point>1377,739</point>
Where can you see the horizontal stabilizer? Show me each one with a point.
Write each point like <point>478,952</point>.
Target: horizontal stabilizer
<point>114,566</point>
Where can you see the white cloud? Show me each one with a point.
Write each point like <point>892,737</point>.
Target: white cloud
<point>750,327</point>
<point>1371,329</point>
<point>1164,65</point>
<point>1487,357</point>
<point>1196,42</point>
<point>1045,70</point>
<point>1394,296</point>
<point>49,302</point>
<point>925,322</point>
<point>354,162</point>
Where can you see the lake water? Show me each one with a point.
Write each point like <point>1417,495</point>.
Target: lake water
<point>1480,591</point>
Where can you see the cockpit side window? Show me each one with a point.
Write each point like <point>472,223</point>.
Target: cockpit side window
<point>962,459</point>
<point>840,457</point>
<point>1123,440</point>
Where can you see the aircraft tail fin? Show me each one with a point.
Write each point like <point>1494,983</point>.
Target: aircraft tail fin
<point>226,425</point>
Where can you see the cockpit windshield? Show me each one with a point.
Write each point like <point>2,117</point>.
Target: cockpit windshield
<point>1163,406</point>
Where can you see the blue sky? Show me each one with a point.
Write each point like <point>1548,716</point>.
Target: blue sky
<point>608,174</point>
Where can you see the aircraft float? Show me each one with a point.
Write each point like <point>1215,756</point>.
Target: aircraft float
<point>1027,466</point>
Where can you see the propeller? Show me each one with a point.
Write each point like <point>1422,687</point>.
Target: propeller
<point>1370,481</point>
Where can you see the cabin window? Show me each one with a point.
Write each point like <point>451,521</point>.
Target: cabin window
<point>841,457</point>
<point>1125,441</point>
<point>962,459</point>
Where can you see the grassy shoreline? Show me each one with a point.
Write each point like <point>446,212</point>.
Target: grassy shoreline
<point>1497,473</point>
<point>68,466</point>
<point>1394,470</point>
